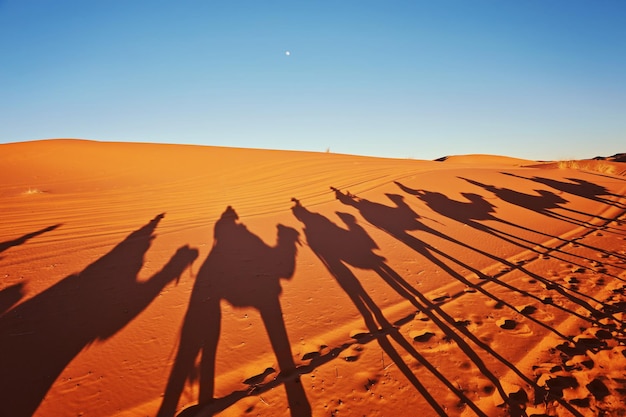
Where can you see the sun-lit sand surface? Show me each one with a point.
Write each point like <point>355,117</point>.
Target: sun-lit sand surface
<point>142,280</point>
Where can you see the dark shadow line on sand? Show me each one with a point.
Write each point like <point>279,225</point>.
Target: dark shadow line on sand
<point>23,239</point>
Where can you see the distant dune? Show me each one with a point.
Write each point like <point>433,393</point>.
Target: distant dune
<point>153,279</point>
<point>618,157</point>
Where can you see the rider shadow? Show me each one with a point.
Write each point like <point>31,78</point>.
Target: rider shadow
<point>338,248</point>
<point>575,186</point>
<point>545,203</point>
<point>244,271</point>
<point>400,219</point>
<point>397,221</point>
<point>471,213</point>
<point>578,187</point>
<point>42,335</point>
<point>477,208</point>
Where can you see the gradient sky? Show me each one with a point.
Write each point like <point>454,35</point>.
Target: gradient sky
<point>534,79</point>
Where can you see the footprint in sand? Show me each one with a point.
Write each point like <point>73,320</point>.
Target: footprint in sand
<point>421,316</point>
<point>354,354</point>
<point>547,300</point>
<point>527,309</point>
<point>513,327</point>
<point>421,336</point>
<point>598,389</point>
<point>538,314</point>
<point>507,324</point>
<point>314,350</point>
<point>310,355</point>
<point>495,304</point>
<point>440,298</point>
<point>462,323</point>
<point>573,282</point>
<point>504,270</point>
<point>260,378</point>
<point>360,334</point>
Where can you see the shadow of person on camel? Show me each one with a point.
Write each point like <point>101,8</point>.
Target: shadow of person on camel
<point>244,271</point>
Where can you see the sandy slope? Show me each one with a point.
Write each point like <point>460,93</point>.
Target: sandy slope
<point>140,279</point>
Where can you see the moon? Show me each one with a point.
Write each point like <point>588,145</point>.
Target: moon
<point>287,53</point>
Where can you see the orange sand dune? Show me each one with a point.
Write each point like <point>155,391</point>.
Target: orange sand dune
<point>143,280</point>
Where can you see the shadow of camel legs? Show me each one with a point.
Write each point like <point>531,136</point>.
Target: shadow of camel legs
<point>42,335</point>
<point>336,247</point>
<point>244,271</point>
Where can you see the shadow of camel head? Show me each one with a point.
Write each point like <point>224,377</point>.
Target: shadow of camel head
<point>287,234</point>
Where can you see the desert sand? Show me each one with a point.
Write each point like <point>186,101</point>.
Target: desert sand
<point>150,279</point>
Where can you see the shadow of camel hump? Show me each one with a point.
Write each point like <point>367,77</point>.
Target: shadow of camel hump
<point>244,271</point>
<point>338,248</point>
<point>397,220</point>
<point>40,337</point>
<point>579,187</point>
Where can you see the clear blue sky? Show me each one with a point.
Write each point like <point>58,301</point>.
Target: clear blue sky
<point>535,79</point>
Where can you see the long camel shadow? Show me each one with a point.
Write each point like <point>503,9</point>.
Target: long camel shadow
<point>397,221</point>
<point>478,209</point>
<point>579,187</point>
<point>584,189</point>
<point>246,272</point>
<point>544,202</point>
<point>338,248</point>
<point>39,337</point>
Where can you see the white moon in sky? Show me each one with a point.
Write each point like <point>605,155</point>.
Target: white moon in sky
<point>287,53</point>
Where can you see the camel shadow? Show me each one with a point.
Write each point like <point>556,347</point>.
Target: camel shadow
<point>579,187</point>
<point>338,248</point>
<point>39,337</point>
<point>477,209</point>
<point>397,221</point>
<point>544,202</point>
<point>244,271</point>
<point>471,213</point>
